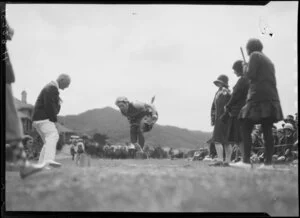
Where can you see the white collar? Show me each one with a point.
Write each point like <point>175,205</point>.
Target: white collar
<point>55,83</point>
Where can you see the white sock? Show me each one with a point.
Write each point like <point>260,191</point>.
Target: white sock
<point>219,149</point>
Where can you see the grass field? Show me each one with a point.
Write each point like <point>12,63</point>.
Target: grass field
<point>154,186</point>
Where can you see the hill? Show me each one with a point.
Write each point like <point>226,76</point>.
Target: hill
<point>110,122</point>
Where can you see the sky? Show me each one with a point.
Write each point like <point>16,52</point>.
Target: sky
<point>174,52</point>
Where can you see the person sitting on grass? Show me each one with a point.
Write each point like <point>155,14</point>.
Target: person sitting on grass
<point>290,119</point>
<point>288,140</point>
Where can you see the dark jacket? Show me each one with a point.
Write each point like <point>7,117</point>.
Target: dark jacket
<point>47,105</point>
<point>137,110</point>
<point>261,74</point>
<point>238,97</point>
<point>220,129</point>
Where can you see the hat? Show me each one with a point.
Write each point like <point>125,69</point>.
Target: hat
<point>121,99</point>
<point>288,126</point>
<point>223,79</point>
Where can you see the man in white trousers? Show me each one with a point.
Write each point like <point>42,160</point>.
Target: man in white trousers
<point>46,108</point>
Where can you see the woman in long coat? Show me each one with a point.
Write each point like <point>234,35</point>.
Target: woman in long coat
<point>263,104</point>
<point>234,105</point>
<point>220,128</point>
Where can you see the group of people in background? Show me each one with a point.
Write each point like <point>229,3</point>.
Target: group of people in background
<point>254,101</point>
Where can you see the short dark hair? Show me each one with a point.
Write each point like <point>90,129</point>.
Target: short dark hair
<point>254,45</point>
<point>238,66</point>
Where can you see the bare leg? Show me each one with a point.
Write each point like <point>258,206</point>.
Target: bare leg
<point>228,153</point>
<point>219,149</point>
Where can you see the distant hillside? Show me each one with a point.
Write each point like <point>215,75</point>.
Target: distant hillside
<point>110,122</point>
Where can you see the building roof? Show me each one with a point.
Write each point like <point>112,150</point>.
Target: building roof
<point>21,105</point>
<point>23,115</point>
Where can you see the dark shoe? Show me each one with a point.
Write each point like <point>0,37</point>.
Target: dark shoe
<point>30,169</point>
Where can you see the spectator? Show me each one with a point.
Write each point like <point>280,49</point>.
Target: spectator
<point>72,151</point>
<point>234,105</point>
<point>221,98</point>
<point>288,140</point>
<point>27,142</point>
<point>290,119</point>
<point>262,105</point>
<point>131,150</point>
<point>15,154</point>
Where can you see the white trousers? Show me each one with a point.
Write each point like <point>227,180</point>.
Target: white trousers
<point>49,134</point>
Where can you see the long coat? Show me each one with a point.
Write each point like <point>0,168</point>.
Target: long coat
<point>13,128</point>
<point>238,96</point>
<point>220,129</point>
<point>234,105</point>
<point>263,100</point>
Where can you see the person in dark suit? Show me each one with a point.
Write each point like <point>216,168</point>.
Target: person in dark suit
<point>262,104</point>
<point>141,117</point>
<point>234,105</point>
<point>219,133</point>
<point>46,108</point>
<point>15,152</point>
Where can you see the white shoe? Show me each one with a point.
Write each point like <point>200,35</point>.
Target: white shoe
<point>207,159</point>
<point>53,163</point>
<point>241,164</point>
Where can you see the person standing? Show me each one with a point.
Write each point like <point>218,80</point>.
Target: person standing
<point>141,117</point>
<point>234,105</point>
<point>262,104</point>
<point>219,133</point>
<point>46,108</point>
<point>15,153</point>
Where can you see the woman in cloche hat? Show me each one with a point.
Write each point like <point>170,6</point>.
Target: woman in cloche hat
<point>219,133</point>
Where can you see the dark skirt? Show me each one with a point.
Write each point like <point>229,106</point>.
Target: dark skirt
<point>234,133</point>
<point>259,111</point>
<point>219,132</point>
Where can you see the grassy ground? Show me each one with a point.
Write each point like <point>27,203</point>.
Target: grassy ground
<point>154,185</point>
